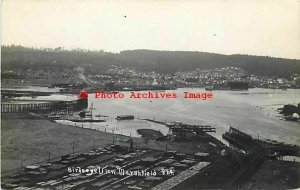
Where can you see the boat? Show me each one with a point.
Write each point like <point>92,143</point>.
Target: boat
<point>99,115</point>
<point>125,117</point>
<point>208,88</point>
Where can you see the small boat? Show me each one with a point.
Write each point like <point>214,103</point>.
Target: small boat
<point>101,115</point>
<point>125,117</point>
<point>208,88</point>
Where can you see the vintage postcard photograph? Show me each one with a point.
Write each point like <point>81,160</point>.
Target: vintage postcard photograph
<point>150,94</point>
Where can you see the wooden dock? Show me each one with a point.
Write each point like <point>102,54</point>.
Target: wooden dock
<point>75,105</point>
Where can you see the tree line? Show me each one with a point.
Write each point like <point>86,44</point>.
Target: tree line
<point>143,60</point>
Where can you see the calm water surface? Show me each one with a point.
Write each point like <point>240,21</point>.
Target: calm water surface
<point>252,111</point>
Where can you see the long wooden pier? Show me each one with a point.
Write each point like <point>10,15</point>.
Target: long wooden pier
<point>8,93</point>
<point>44,107</point>
<point>181,127</point>
<point>32,107</point>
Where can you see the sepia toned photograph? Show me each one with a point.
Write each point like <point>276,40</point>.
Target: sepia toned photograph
<point>150,94</point>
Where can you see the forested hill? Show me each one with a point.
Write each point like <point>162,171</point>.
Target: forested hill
<point>143,60</point>
<point>171,61</point>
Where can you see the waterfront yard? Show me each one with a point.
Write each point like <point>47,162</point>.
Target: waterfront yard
<point>27,140</point>
<point>31,140</point>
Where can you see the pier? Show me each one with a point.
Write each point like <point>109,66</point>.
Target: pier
<point>7,93</point>
<point>17,108</point>
<point>74,105</point>
<point>185,128</point>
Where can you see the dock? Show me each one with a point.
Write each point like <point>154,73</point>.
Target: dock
<point>47,106</point>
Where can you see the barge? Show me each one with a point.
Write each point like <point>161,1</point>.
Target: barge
<point>125,117</point>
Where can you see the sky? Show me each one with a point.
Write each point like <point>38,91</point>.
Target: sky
<point>256,27</point>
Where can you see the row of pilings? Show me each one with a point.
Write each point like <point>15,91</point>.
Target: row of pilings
<point>43,107</point>
<point>16,108</point>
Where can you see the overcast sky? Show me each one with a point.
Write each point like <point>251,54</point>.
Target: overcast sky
<point>246,27</point>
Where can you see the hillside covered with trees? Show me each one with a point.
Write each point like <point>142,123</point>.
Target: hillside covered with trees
<point>142,60</point>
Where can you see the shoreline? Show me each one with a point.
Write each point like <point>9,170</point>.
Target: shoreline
<point>30,139</point>
<point>63,138</point>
